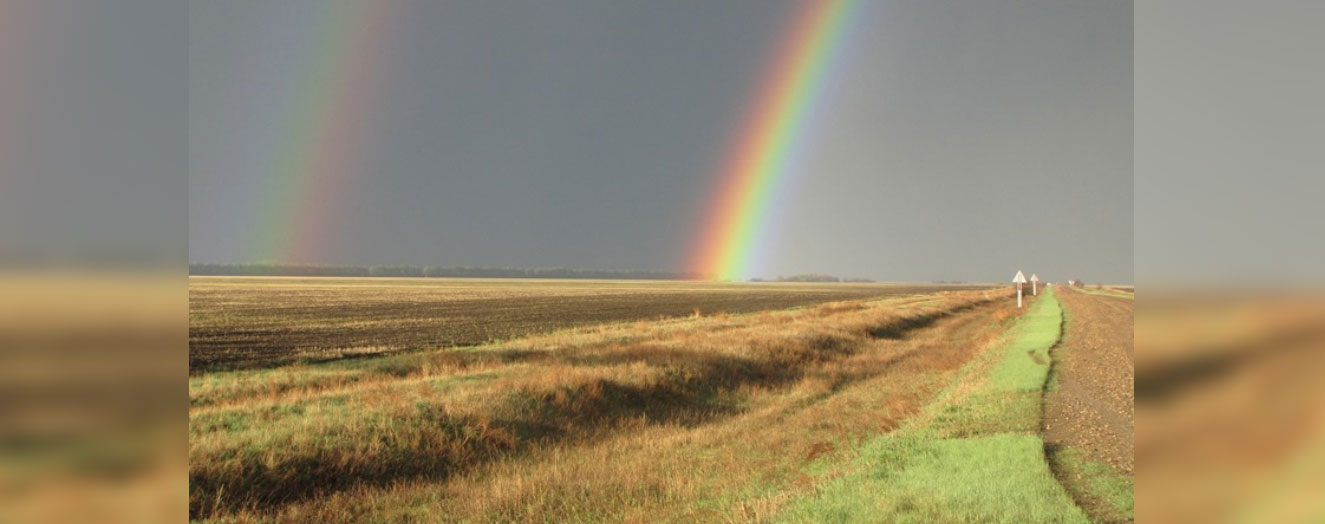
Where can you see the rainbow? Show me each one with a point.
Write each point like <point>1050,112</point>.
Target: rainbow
<point>761,158</point>
<point>316,155</point>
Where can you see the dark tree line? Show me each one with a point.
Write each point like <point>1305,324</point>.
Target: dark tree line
<point>424,271</point>
<point>819,277</point>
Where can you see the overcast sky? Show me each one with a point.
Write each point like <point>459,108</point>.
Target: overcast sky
<point>958,140</point>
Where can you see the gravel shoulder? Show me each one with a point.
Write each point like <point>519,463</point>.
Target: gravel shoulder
<point>1088,411</point>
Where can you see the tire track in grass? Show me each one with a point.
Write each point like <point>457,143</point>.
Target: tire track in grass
<point>973,455</point>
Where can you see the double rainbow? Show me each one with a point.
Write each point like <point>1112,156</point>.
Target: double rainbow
<point>313,163</point>
<point>761,159</point>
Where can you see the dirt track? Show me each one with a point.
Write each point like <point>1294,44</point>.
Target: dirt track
<point>1090,408</point>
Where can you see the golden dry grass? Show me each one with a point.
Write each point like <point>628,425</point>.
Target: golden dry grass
<point>711,418</point>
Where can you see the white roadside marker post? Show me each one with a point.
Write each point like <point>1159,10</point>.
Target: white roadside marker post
<point>1019,280</point>
<point>1034,279</point>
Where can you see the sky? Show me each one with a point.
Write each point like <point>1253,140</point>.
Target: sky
<point>951,140</point>
<point>93,148</point>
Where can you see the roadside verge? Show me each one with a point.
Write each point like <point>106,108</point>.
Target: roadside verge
<point>974,455</point>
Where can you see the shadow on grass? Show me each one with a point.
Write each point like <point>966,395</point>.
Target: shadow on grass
<point>428,442</point>
<point>899,329</point>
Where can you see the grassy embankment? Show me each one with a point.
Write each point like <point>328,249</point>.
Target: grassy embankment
<point>973,455</point>
<point>700,419</point>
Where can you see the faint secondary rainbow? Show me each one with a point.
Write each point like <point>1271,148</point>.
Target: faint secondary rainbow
<point>326,119</point>
<point>759,163</point>
<point>23,26</point>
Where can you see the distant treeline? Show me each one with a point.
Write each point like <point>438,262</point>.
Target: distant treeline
<point>424,271</point>
<point>818,277</point>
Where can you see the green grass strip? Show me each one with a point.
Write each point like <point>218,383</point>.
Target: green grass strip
<point>978,459</point>
<point>999,478</point>
<point>1009,400</point>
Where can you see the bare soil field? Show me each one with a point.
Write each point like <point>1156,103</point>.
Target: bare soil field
<point>248,322</point>
<point>1089,406</point>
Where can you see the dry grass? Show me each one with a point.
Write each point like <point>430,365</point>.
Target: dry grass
<point>247,322</point>
<point>700,418</point>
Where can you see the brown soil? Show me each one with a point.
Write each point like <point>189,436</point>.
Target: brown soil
<point>1090,406</point>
